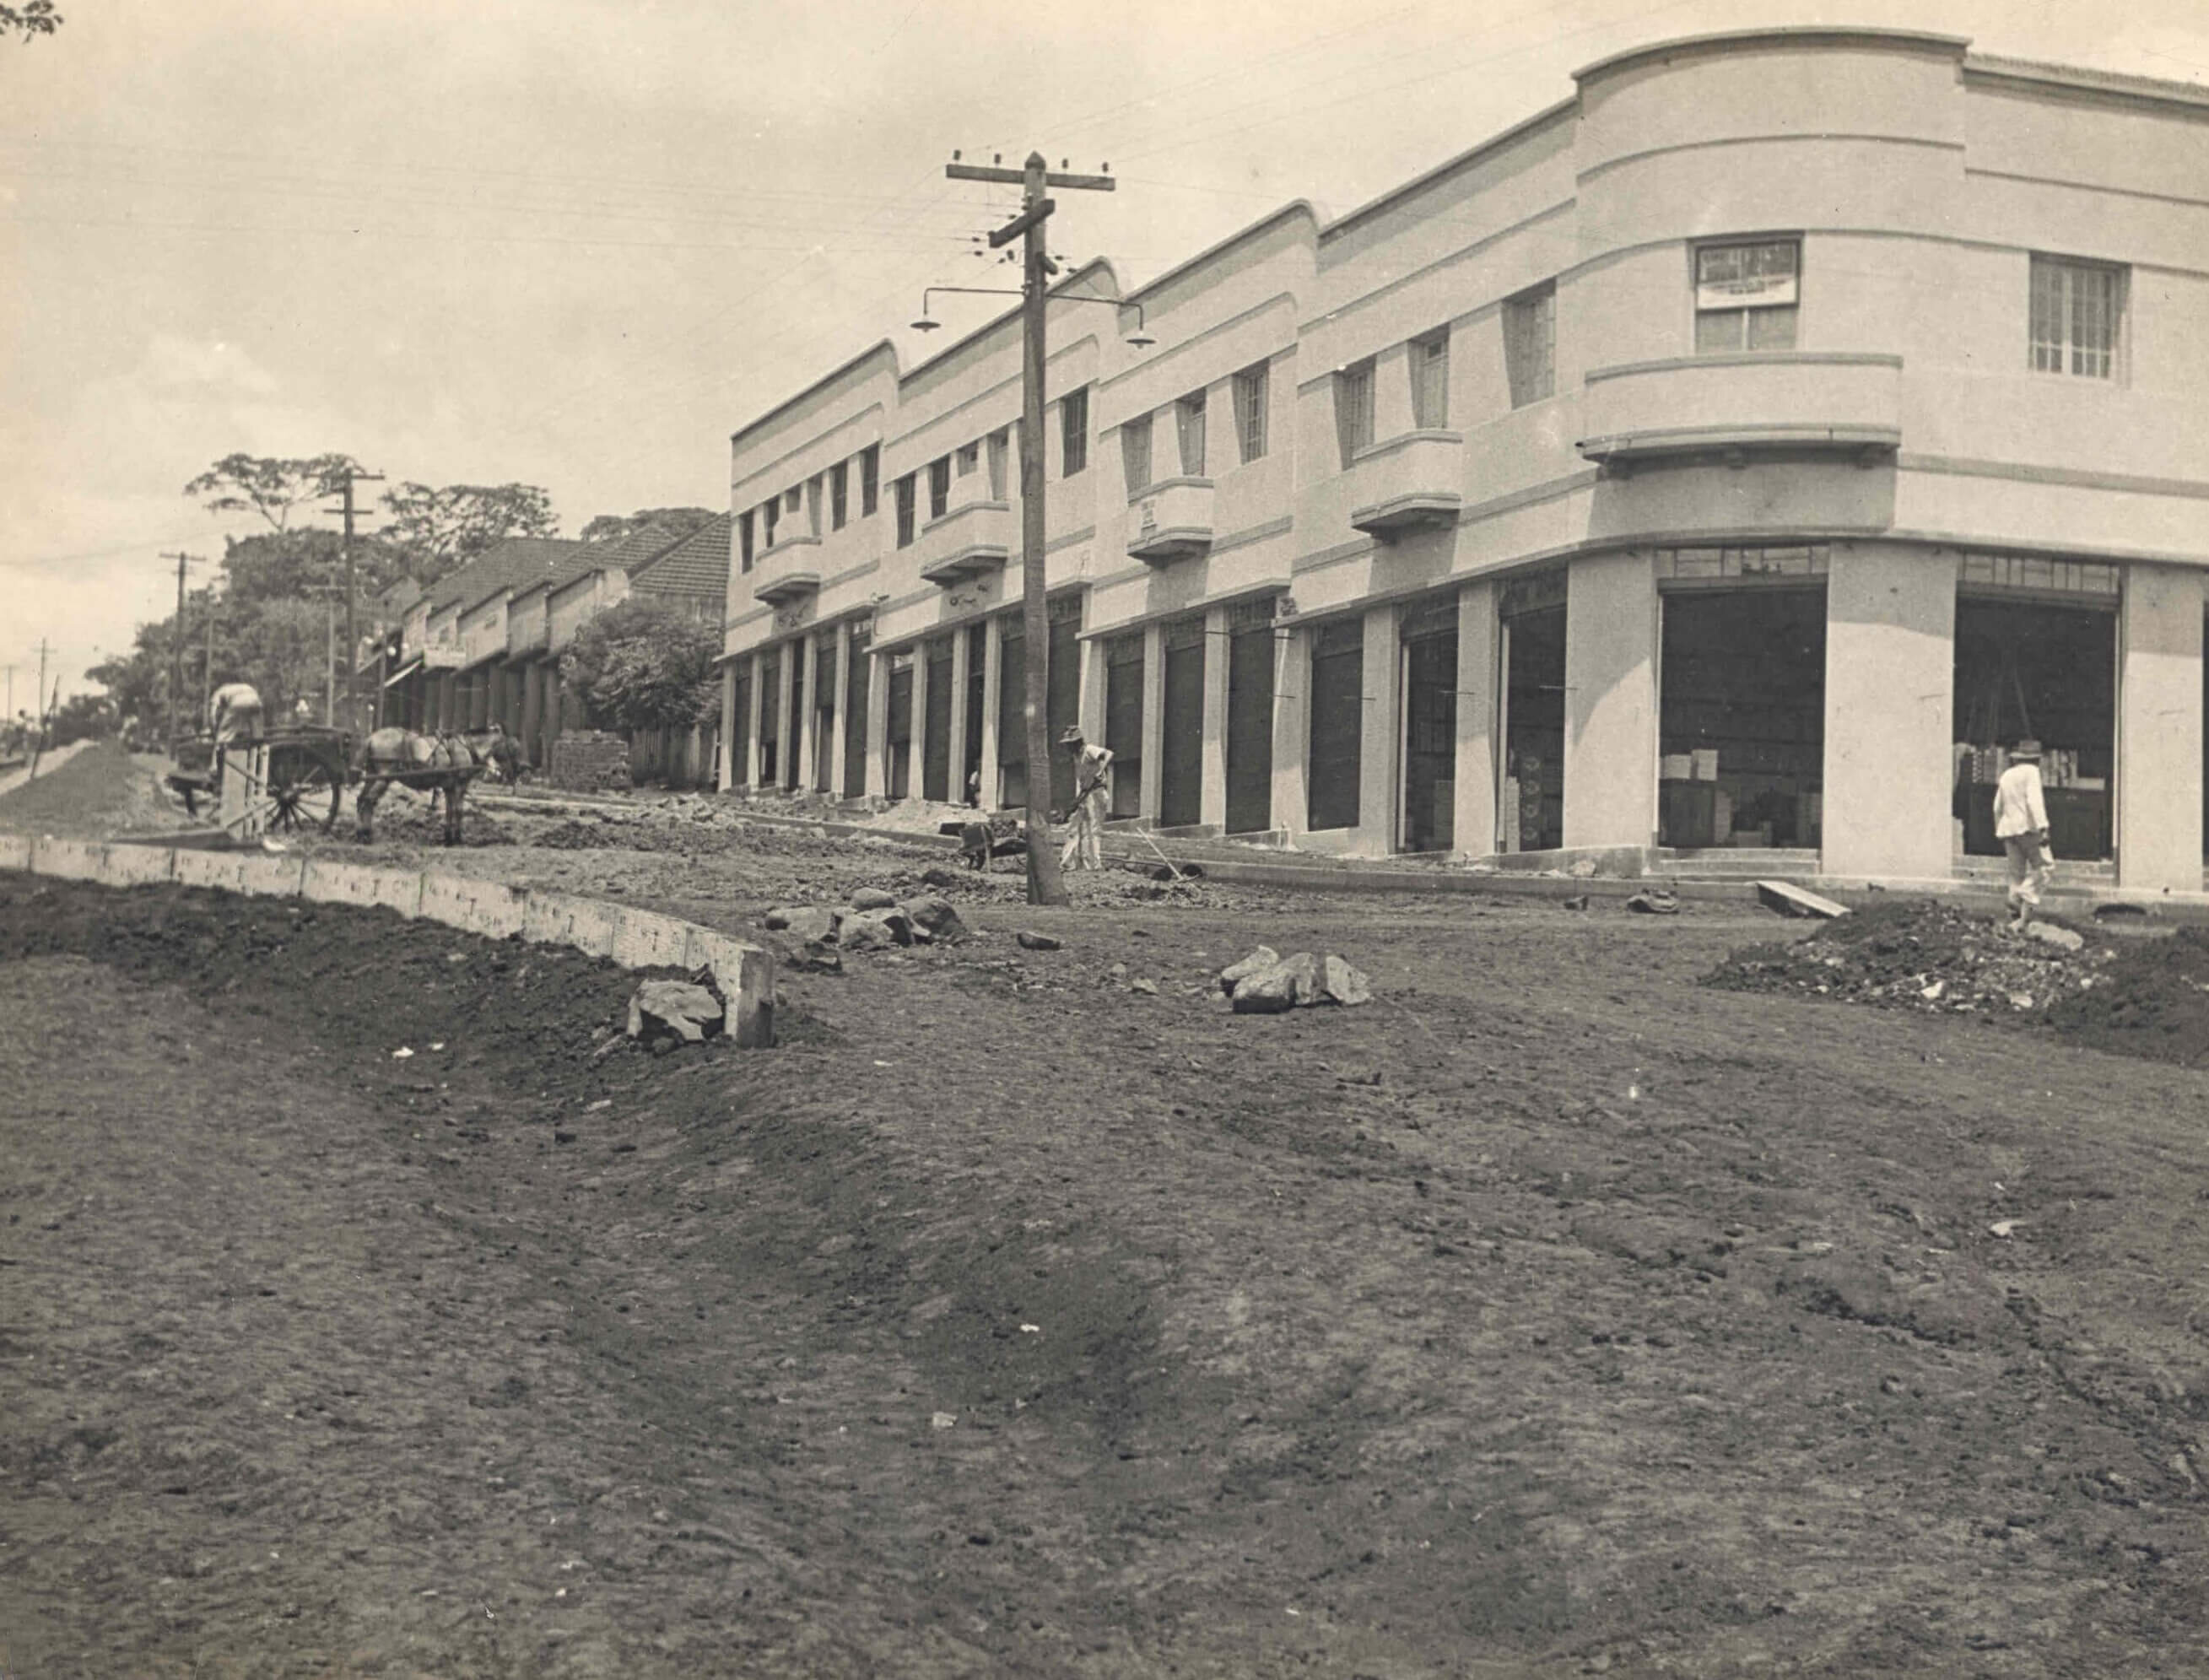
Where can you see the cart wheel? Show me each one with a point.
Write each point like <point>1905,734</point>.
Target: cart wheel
<point>305,793</point>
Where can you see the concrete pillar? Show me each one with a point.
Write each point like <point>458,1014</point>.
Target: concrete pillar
<point>755,701</point>
<point>842,677</point>
<point>1611,701</point>
<point>1211,796</point>
<point>917,779</point>
<point>878,727</point>
<point>1381,743</point>
<point>1291,727</point>
<point>2159,791</point>
<point>802,647</point>
<point>1890,697</point>
<point>1148,803</point>
<point>724,760</point>
<point>785,726</point>
<point>1091,710</point>
<point>1473,815</point>
<point>993,683</point>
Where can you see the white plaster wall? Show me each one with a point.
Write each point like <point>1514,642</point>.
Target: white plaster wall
<point>1611,701</point>
<point>2159,791</point>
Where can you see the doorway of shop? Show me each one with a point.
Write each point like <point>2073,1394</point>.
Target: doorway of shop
<point>1428,820</point>
<point>1530,803</point>
<point>1742,715</point>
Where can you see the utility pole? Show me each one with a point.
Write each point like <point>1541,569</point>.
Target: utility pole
<point>330,663</point>
<point>1045,884</point>
<point>177,654</point>
<point>349,475</point>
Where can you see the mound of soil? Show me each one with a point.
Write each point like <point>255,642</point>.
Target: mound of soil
<point>2152,1000</point>
<point>1926,955</point>
<point>101,788</point>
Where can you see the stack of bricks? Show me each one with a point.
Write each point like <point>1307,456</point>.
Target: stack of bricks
<point>589,760</point>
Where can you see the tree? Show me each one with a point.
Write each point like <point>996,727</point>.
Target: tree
<point>85,716</point>
<point>442,530</point>
<point>269,485</point>
<point>676,521</point>
<point>639,666</point>
<point>33,17</point>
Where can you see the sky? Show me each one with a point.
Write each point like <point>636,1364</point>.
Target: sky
<point>577,242</point>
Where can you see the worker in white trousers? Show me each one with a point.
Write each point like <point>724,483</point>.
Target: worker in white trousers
<point>2021,826</point>
<point>1086,820</point>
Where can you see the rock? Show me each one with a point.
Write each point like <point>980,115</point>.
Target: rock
<point>1579,902</point>
<point>937,915</point>
<point>1345,984</point>
<point>1264,957</point>
<point>1148,988</point>
<point>807,924</point>
<point>873,898</point>
<point>1031,941</point>
<point>777,919</point>
<point>813,956</point>
<point>690,1012</point>
<point>1290,982</point>
<point>2052,933</point>
<point>1654,901</point>
<point>938,876</point>
<point>875,930</point>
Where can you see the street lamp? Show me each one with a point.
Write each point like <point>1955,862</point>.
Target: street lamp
<point>1137,339</point>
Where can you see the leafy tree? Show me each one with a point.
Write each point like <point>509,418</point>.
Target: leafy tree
<point>639,665</point>
<point>269,485</point>
<point>439,530</point>
<point>33,17</point>
<point>676,521</point>
<point>85,716</point>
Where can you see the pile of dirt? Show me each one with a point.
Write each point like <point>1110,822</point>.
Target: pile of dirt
<point>415,825</point>
<point>99,789</point>
<point>1922,954</point>
<point>2152,1000</point>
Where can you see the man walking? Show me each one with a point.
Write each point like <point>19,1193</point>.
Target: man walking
<point>1086,819</point>
<point>2021,825</point>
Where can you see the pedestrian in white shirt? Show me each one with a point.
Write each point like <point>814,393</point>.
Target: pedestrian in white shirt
<point>2021,825</point>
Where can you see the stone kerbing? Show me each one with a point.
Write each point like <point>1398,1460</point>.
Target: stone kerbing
<point>743,971</point>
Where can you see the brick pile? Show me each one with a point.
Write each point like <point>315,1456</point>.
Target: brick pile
<point>589,760</point>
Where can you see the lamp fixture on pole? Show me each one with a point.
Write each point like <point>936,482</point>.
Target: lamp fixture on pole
<point>1137,339</point>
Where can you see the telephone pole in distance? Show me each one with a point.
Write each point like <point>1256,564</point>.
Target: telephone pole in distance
<point>177,654</point>
<point>1045,884</point>
<point>349,475</point>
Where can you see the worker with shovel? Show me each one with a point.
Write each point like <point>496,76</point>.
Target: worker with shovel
<point>1086,816</point>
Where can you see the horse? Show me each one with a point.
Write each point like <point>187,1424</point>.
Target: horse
<point>444,764</point>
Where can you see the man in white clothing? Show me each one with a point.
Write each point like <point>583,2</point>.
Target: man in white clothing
<point>1086,821</point>
<point>2021,825</point>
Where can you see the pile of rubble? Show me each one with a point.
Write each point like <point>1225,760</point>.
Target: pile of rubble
<point>814,937</point>
<point>1266,983</point>
<point>1926,955</point>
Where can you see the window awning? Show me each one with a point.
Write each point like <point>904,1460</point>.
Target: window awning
<point>403,671</point>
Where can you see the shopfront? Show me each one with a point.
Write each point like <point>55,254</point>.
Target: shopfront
<point>1429,679</point>
<point>1530,803</point>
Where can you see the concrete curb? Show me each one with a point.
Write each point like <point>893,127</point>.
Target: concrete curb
<point>634,938</point>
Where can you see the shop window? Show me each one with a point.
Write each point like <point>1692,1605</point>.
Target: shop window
<point>870,479</point>
<point>840,495</point>
<point>1430,381</point>
<point>1135,453</point>
<point>904,492</point>
<point>1073,432</point>
<point>1188,425</point>
<point>1250,397</point>
<point>939,487</point>
<point>1353,410</point>
<point>1747,296</point>
<point>2078,311</point>
<point>1530,345</point>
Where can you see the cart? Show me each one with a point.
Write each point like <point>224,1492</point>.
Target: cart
<point>300,781</point>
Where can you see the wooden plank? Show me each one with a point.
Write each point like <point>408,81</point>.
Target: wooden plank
<point>1792,900</point>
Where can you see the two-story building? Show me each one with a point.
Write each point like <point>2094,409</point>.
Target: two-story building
<point>1744,453</point>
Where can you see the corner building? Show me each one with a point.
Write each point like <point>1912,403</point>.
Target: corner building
<point>1726,466</point>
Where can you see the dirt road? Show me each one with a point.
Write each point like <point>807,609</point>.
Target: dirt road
<point>1553,1315</point>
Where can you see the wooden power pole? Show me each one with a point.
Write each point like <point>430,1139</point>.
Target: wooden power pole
<point>1045,883</point>
<point>348,477</point>
<point>177,654</point>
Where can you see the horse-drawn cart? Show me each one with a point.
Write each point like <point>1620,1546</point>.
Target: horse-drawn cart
<point>290,778</point>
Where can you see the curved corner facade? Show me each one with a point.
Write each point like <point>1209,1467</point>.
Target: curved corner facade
<point>1727,466</point>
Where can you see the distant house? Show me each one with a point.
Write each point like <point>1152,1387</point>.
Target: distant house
<point>453,670</point>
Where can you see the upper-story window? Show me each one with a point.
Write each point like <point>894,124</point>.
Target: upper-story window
<point>1001,448</point>
<point>1530,345</point>
<point>813,499</point>
<point>1189,427</point>
<point>1353,409</point>
<point>870,479</point>
<point>1250,399</point>
<point>840,495</point>
<point>939,487</point>
<point>968,459</point>
<point>1073,432</point>
<point>1748,295</point>
<point>905,511</point>
<point>1135,453</point>
<point>744,540</point>
<point>770,511</point>
<point>2078,315</point>
<point>1430,381</point>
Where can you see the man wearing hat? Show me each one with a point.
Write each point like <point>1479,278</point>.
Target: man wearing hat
<point>1086,820</point>
<point>2021,825</point>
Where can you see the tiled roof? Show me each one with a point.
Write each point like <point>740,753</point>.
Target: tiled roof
<point>516,563</point>
<point>698,565</point>
<point>619,554</point>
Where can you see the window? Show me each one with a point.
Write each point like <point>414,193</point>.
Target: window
<point>744,540</point>
<point>1530,345</point>
<point>2077,309</point>
<point>840,495</point>
<point>1250,397</point>
<point>1430,381</point>
<point>870,479</point>
<point>1353,409</point>
<point>1135,453</point>
<point>1073,431</point>
<point>969,459</point>
<point>939,487</point>
<point>770,510</point>
<point>1001,448</point>
<point>905,511</point>
<point>1189,421</point>
<point>1746,296</point>
<point>813,489</point>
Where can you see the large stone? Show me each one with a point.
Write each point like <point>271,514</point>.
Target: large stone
<point>1030,940</point>
<point>937,916</point>
<point>873,898</point>
<point>1291,982</point>
<point>1263,958</point>
<point>2052,933</point>
<point>1344,984</point>
<point>690,1012</point>
<point>807,924</point>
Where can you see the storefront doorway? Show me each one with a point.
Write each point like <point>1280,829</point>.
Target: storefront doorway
<point>899,734</point>
<point>1251,717</point>
<point>1430,713</point>
<point>1530,803</point>
<point>1180,736</point>
<point>1123,721</point>
<point>936,748</point>
<point>1338,723</point>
